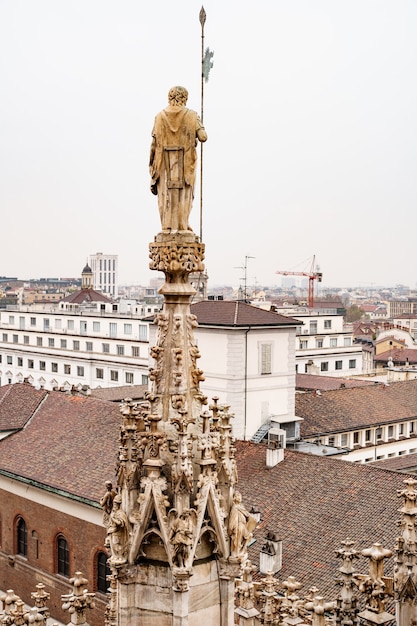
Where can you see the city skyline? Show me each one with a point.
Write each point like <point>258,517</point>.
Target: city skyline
<point>309,109</point>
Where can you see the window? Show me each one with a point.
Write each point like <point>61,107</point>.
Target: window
<point>368,434</point>
<point>51,342</point>
<point>313,327</point>
<point>324,366</point>
<point>401,429</point>
<point>120,350</point>
<point>129,378</point>
<point>352,364</point>
<point>46,323</point>
<point>11,319</point>
<point>319,343</point>
<point>70,324</point>
<point>127,328</point>
<point>22,537</point>
<point>143,332</point>
<point>19,361</point>
<point>378,433</point>
<point>136,351</point>
<point>58,324</point>
<point>15,338</point>
<point>338,365</point>
<point>333,342</point>
<point>106,347</point>
<point>144,379</point>
<point>266,354</point>
<point>54,367</point>
<point>26,339</point>
<point>113,329</point>
<point>63,343</point>
<point>412,426</point>
<point>30,364</point>
<point>344,440</point>
<point>33,321</point>
<point>356,437</point>
<point>347,341</point>
<point>327,323</point>
<point>114,375</point>
<point>102,572</point>
<point>99,373</point>
<point>390,431</point>
<point>83,327</point>
<point>39,341</point>
<point>42,365</point>
<point>303,344</point>
<point>89,346</point>
<point>5,337</point>
<point>75,344</point>
<point>80,370</point>
<point>62,556</point>
<point>9,360</point>
<point>67,369</point>
<point>331,441</point>
<point>96,327</point>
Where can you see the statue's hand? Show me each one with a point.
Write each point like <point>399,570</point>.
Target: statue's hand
<point>154,189</point>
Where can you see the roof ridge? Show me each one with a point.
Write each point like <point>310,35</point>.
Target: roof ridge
<point>236,312</point>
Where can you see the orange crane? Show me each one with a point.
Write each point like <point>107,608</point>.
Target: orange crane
<point>312,276</point>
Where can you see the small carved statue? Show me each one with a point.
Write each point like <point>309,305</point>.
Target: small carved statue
<point>173,159</point>
<point>241,525</point>
<point>181,537</point>
<point>106,502</point>
<point>118,533</point>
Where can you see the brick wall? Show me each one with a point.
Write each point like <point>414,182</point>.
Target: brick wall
<point>44,524</point>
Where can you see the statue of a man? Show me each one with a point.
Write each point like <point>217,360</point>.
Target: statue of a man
<point>173,159</point>
<point>118,533</point>
<point>241,525</point>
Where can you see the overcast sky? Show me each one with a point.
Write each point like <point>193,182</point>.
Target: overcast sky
<point>310,109</point>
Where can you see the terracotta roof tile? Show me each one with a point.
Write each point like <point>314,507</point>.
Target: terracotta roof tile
<point>236,313</point>
<point>117,394</point>
<point>398,355</point>
<point>359,407</point>
<point>403,463</point>
<point>70,444</point>
<point>325,383</point>
<point>313,503</point>
<point>17,404</point>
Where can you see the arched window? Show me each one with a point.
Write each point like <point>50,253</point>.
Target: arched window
<point>62,556</point>
<point>103,571</point>
<point>22,537</point>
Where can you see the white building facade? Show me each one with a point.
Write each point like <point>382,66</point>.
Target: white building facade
<point>248,360</point>
<point>53,347</point>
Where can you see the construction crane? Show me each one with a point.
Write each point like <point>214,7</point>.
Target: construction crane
<point>312,276</point>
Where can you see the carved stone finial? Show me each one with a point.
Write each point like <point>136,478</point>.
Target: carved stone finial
<point>78,601</point>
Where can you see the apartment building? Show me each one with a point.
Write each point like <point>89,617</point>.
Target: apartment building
<point>325,345</point>
<point>52,346</point>
<point>105,273</point>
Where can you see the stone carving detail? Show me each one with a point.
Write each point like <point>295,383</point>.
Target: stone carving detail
<point>181,535</point>
<point>180,259</point>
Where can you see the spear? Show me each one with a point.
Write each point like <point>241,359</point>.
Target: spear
<point>206,65</point>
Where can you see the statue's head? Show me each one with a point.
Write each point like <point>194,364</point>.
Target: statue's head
<point>177,96</point>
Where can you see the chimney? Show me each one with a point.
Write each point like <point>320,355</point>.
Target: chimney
<point>275,447</point>
<point>270,557</point>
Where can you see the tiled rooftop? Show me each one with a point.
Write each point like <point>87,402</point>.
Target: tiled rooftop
<point>403,463</point>
<point>17,404</point>
<point>117,394</point>
<point>325,383</point>
<point>237,313</point>
<point>360,407</point>
<point>398,355</point>
<point>313,503</point>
